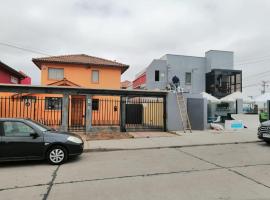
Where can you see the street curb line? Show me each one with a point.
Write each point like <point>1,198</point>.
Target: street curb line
<point>164,147</point>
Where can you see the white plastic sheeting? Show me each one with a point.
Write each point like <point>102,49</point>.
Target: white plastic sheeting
<point>210,98</point>
<point>237,95</point>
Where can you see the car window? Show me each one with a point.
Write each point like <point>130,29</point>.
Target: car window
<point>40,126</point>
<point>17,129</point>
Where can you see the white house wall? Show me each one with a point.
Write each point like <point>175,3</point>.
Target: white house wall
<point>170,65</point>
<point>179,65</point>
<point>160,65</point>
<point>219,60</point>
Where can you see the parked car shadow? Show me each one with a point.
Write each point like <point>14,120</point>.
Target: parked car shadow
<point>31,163</point>
<point>22,163</point>
<point>263,144</point>
<point>74,159</point>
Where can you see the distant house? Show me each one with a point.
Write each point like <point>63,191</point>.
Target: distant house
<point>9,75</point>
<point>27,80</point>
<point>126,84</point>
<point>140,81</point>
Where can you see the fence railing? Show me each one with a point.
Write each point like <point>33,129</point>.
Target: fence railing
<point>140,113</point>
<point>106,111</point>
<point>44,110</point>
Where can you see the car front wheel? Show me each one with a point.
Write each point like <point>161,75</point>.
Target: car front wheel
<point>57,155</point>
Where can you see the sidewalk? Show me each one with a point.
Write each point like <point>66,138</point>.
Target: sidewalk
<point>197,138</point>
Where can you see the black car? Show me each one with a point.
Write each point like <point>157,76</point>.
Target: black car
<point>23,139</point>
<point>264,131</point>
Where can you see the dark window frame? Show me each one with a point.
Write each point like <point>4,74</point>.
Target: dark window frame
<point>157,75</point>
<point>50,100</point>
<point>92,76</point>
<point>55,68</point>
<point>222,82</point>
<point>190,74</point>
<point>95,104</point>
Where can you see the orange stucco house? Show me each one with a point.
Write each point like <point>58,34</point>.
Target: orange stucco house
<point>81,70</point>
<point>77,70</point>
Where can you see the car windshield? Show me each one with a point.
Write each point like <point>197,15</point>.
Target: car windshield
<point>40,126</point>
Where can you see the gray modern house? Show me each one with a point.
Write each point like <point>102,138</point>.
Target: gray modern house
<point>214,73</point>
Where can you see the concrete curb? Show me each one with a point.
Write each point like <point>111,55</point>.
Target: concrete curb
<point>164,147</point>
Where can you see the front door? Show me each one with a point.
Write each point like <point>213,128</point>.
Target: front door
<point>17,143</point>
<point>77,112</point>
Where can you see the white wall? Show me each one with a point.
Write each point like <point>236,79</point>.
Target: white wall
<point>170,65</point>
<point>160,65</point>
<point>219,60</point>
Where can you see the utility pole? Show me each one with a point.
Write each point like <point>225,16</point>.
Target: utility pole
<point>264,85</point>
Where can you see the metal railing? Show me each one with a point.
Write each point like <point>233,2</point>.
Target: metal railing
<point>106,111</point>
<point>43,110</point>
<point>141,113</point>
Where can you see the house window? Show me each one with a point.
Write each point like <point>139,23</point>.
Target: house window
<point>56,73</point>
<point>156,75</point>
<point>14,80</point>
<point>95,76</point>
<point>95,104</point>
<point>53,103</point>
<point>188,78</point>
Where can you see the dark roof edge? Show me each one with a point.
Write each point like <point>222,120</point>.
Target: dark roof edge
<point>11,70</point>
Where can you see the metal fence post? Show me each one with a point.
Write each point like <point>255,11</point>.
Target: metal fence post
<point>268,109</point>
<point>65,108</point>
<point>88,116</point>
<point>165,114</point>
<point>123,114</point>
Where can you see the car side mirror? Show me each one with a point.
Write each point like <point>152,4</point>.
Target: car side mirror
<point>34,135</point>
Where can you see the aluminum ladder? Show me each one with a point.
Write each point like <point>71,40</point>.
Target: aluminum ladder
<point>183,112</point>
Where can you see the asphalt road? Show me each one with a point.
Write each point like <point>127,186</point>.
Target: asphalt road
<point>237,171</point>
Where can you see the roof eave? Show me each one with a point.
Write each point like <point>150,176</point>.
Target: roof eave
<point>13,71</point>
<point>38,63</point>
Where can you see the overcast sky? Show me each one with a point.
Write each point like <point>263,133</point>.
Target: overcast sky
<point>135,32</point>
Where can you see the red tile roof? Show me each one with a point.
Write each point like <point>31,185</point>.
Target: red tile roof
<point>81,59</point>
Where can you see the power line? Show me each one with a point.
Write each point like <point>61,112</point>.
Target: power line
<point>239,64</point>
<point>251,85</point>
<point>258,74</point>
<point>243,62</point>
<point>255,58</point>
<point>23,49</point>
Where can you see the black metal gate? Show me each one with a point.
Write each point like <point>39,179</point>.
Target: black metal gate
<point>144,114</point>
<point>134,113</point>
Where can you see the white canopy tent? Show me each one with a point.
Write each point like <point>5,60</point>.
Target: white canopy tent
<point>210,98</point>
<point>237,95</point>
